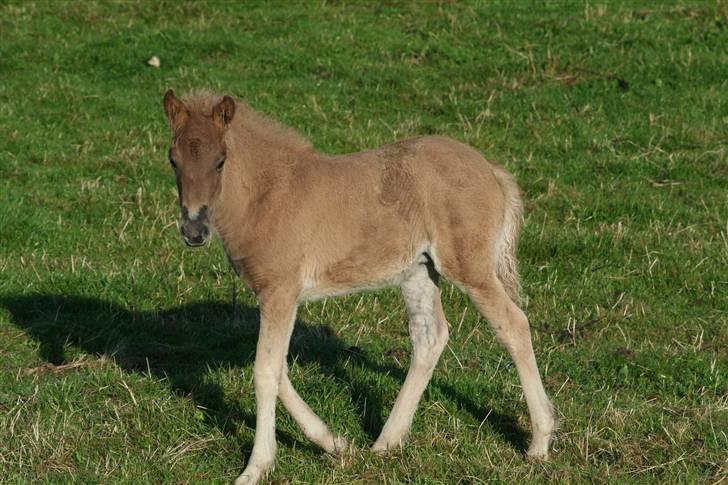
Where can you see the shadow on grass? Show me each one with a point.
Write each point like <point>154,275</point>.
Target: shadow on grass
<point>181,344</point>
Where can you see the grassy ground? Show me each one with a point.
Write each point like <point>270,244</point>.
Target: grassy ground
<point>122,358</point>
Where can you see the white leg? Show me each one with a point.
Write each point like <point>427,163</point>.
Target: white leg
<point>429,334</point>
<point>311,425</point>
<point>277,315</point>
<point>511,329</point>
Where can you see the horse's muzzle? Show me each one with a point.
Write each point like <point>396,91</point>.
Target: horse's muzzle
<point>195,232</point>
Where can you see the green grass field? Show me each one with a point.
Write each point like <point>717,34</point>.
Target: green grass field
<point>124,360</point>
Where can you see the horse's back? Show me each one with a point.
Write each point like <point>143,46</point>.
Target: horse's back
<point>375,212</point>
<point>429,184</point>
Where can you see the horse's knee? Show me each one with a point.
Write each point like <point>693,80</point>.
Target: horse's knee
<point>507,320</point>
<point>514,332</point>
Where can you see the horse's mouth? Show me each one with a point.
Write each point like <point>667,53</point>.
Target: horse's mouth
<point>195,243</point>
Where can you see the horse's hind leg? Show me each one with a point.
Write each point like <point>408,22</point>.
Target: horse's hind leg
<point>429,333</point>
<point>511,329</point>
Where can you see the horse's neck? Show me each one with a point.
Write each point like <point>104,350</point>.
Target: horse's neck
<point>258,157</point>
<point>262,144</point>
<point>230,209</point>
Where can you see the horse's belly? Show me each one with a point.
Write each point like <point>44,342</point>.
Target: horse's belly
<point>345,278</point>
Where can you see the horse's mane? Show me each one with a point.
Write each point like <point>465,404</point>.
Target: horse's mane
<point>246,119</point>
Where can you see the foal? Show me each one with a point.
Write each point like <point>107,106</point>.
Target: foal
<point>299,225</point>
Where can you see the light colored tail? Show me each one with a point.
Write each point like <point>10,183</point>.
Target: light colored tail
<point>506,262</point>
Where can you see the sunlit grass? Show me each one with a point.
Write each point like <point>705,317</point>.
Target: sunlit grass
<point>123,358</point>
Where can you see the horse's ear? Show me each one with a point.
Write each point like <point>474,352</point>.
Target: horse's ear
<point>176,110</point>
<point>224,111</point>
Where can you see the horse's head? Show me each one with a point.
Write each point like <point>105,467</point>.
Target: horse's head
<point>197,156</point>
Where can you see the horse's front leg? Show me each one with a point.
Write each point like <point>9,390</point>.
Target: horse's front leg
<point>311,425</point>
<point>277,315</point>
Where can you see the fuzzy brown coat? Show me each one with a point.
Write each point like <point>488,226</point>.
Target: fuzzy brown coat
<point>298,224</point>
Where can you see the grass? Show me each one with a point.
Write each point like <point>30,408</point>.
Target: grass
<point>123,358</point>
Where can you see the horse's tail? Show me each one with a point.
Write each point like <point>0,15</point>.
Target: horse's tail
<point>506,263</point>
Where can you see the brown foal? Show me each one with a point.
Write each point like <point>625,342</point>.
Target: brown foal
<point>297,225</point>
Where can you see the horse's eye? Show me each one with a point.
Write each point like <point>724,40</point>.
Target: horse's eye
<point>220,164</point>
<point>173,163</point>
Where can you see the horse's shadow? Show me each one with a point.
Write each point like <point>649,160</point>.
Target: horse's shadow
<point>180,345</point>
